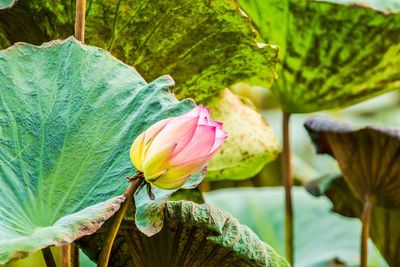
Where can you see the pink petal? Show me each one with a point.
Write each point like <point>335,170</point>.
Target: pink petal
<point>194,112</point>
<point>199,146</point>
<point>204,117</point>
<point>217,144</point>
<point>157,161</point>
<point>136,152</point>
<point>216,124</point>
<point>178,175</point>
<point>142,142</point>
<point>179,130</point>
<point>160,183</point>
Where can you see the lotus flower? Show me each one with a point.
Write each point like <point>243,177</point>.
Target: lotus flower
<point>172,150</point>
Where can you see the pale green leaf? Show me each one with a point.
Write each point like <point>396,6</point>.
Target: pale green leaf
<point>385,222</point>
<point>68,115</point>
<point>321,237</point>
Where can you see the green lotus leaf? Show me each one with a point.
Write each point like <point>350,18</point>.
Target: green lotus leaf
<point>193,235</point>
<point>205,45</point>
<point>385,222</point>
<point>322,237</point>
<point>68,115</point>
<point>6,3</point>
<point>367,157</point>
<point>251,143</point>
<point>331,55</point>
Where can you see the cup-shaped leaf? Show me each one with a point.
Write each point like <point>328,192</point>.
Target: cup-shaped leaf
<point>367,157</point>
<point>251,142</point>
<point>385,232</point>
<point>331,54</point>
<point>68,116</point>
<point>205,45</point>
<point>193,235</point>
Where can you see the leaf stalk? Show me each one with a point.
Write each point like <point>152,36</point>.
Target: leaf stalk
<point>288,183</point>
<point>80,20</point>
<point>69,256</point>
<point>366,224</point>
<point>105,251</point>
<point>48,257</point>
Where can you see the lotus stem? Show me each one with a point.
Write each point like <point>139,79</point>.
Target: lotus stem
<point>48,257</point>
<point>366,223</point>
<point>288,183</point>
<point>69,256</point>
<point>105,251</point>
<point>80,20</point>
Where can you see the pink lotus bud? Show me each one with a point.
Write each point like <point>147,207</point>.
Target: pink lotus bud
<point>172,150</point>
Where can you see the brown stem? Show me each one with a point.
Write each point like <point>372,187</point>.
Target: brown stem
<point>116,222</point>
<point>366,223</point>
<point>288,183</point>
<point>48,257</point>
<point>80,20</point>
<point>69,256</point>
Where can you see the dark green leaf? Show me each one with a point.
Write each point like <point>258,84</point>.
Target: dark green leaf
<point>205,45</point>
<point>68,115</point>
<point>331,55</point>
<point>194,195</point>
<point>367,157</point>
<point>193,235</point>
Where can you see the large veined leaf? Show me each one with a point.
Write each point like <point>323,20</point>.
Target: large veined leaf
<point>367,157</point>
<point>68,115</point>
<point>331,55</point>
<point>6,3</point>
<point>322,238</point>
<point>385,222</point>
<point>386,6</point>
<point>205,45</point>
<point>193,235</point>
<point>251,142</point>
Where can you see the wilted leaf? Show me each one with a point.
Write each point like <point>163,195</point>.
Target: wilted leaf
<point>68,115</point>
<point>331,55</point>
<point>193,235</point>
<point>385,222</point>
<point>321,237</point>
<point>205,45</point>
<point>367,157</point>
<point>250,145</point>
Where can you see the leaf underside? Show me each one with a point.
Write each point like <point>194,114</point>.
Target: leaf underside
<point>385,232</point>
<point>205,45</point>
<point>193,235</point>
<point>68,115</point>
<point>367,157</point>
<point>251,142</point>
<point>331,55</point>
